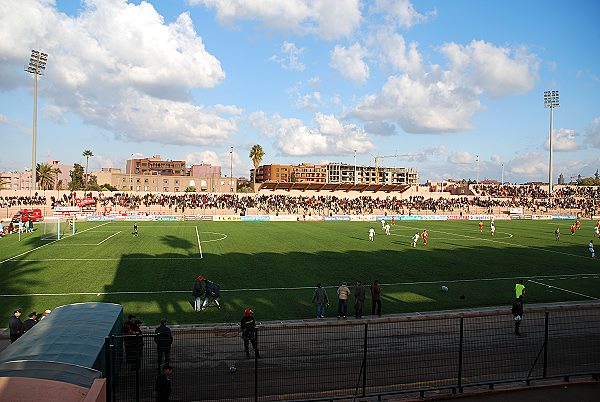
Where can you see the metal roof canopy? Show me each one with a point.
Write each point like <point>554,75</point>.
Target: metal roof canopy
<point>67,345</point>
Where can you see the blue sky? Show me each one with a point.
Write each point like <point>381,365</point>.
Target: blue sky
<point>437,83</point>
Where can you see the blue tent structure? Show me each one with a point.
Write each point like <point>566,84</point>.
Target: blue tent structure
<point>68,345</point>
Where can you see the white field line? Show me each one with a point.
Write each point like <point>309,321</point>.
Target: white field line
<point>199,245</point>
<point>47,244</point>
<point>596,276</point>
<point>108,238</point>
<point>514,244</point>
<point>107,259</point>
<point>564,290</point>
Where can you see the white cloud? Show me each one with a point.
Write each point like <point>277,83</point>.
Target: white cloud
<point>496,159</point>
<point>494,71</point>
<point>291,59</point>
<point>349,62</point>
<point>532,166</point>
<point>197,158</point>
<point>564,141</point>
<point>400,13</point>
<point>324,18</point>
<point>394,51</point>
<point>328,137</point>
<point>122,67</point>
<point>3,118</point>
<point>311,101</point>
<point>442,101</point>
<point>462,158</point>
<point>592,135</point>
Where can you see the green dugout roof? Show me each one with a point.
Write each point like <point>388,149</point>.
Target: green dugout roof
<point>67,345</point>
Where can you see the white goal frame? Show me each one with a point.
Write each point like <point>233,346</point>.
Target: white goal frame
<point>65,226</point>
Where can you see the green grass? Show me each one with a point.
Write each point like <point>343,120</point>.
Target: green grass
<point>273,267</point>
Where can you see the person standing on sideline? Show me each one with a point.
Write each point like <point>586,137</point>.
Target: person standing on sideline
<point>591,249</point>
<point>320,297</point>
<point>15,325</point>
<point>517,312</point>
<point>197,292</point>
<point>359,299</point>
<point>29,323</point>
<point>213,291</point>
<point>376,298</point>
<point>248,328</point>
<point>371,233</point>
<point>519,289</point>
<point>164,339</point>
<point>162,389</point>
<point>343,294</point>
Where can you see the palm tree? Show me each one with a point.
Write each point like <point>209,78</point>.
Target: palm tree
<point>87,154</point>
<point>45,176</point>
<point>257,154</point>
<point>56,172</point>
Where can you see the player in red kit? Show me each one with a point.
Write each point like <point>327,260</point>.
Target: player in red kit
<point>424,236</point>
<point>480,226</point>
<point>573,229</point>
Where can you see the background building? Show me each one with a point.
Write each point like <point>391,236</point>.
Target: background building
<point>155,165</point>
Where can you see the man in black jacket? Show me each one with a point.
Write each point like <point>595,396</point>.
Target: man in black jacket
<point>162,389</point>
<point>248,327</point>
<point>29,323</point>
<point>517,311</point>
<point>197,292</point>
<point>15,325</point>
<point>213,291</point>
<point>163,338</point>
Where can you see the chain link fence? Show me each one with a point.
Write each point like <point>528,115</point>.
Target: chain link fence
<point>335,359</point>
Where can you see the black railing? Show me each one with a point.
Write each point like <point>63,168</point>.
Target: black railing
<point>335,359</point>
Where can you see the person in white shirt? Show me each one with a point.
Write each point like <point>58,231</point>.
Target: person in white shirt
<point>371,233</point>
<point>387,230</point>
<point>414,239</point>
<point>493,228</point>
<point>591,248</point>
<point>382,223</point>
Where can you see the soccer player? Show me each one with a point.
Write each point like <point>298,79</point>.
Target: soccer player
<point>382,224</point>
<point>572,229</point>
<point>135,229</point>
<point>480,226</point>
<point>577,225</point>
<point>597,231</point>
<point>394,221</point>
<point>414,239</point>
<point>424,236</point>
<point>492,228</point>
<point>371,233</point>
<point>557,234</point>
<point>387,230</point>
<point>591,249</point>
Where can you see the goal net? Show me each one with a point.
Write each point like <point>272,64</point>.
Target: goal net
<point>55,227</point>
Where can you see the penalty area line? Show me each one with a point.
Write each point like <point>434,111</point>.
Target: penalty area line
<point>562,289</point>
<point>47,244</point>
<point>108,238</point>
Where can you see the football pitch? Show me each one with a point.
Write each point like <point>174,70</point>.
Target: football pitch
<point>273,267</point>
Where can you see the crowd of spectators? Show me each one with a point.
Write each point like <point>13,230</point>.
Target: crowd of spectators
<point>16,201</point>
<point>487,197</point>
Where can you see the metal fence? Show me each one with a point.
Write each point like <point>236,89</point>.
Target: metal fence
<point>335,359</point>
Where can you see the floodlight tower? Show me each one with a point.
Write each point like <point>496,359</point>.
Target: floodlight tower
<point>37,65</point>
<point>551,102</point>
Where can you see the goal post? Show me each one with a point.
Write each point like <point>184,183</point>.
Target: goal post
<point>57,227</point>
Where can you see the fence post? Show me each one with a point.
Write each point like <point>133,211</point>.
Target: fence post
<point>364,385</point>
<point>545,344</point>
<point>460,355</point>
<point>137,363</point>
<point>256,367</point>
<point>107,368</point>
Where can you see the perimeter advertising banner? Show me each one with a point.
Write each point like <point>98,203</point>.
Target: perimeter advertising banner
<point>227,218</point>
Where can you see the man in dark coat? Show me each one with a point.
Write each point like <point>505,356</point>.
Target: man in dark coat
<point>359,294</point>
<point>517,312</point>
<point>248,327</point>
<point>162,389</point>
<point>164,339</point>
<point>213,291</point>
<point>133,342</point>
<point>197,292</point>
<point>15,325</point>
<point>29,323</point>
